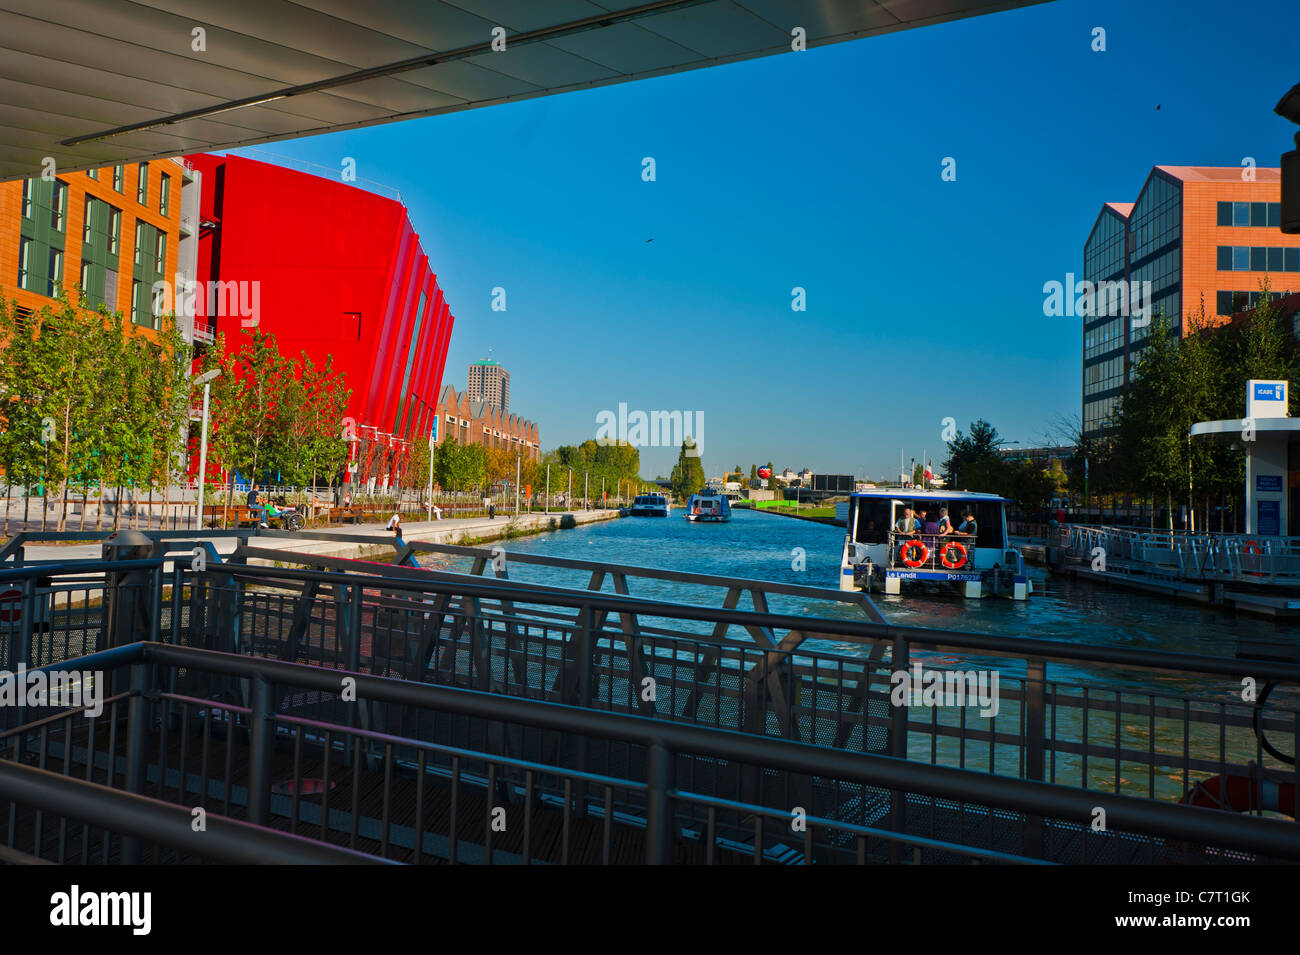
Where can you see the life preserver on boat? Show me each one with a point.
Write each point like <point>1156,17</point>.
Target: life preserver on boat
<point>913,561</point>
<point>1242,794</point>
<point>947,561</point>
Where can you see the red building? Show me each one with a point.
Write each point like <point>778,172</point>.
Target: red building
<point>329,269</point>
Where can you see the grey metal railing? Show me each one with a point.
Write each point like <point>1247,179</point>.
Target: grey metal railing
<point>411,799</point>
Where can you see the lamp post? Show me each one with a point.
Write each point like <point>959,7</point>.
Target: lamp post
<point>205,380</point>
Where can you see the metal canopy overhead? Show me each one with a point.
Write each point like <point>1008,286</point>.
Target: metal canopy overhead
<point>91,82</point>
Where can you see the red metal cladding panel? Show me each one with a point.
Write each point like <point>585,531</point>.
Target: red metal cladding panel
<point>406,321</point>
<point>389,343</point>
<point>420,371</point>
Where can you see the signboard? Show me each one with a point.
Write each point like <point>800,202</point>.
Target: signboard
<point>433,433</point>
<point>1269,482</point>
<point>1268,518</point>
<point>1266,399</point>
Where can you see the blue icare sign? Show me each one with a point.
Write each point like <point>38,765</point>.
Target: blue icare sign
<point>1274,391</point>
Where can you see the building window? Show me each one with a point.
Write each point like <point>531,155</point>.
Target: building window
<point>92,174</point>
<point>59,207</point>
<point>1275,259</point>
<point>142,184</point>
<point>1258,259</point>
<point>159,251</point>
<point>1225,213</point>
<point>110,287</point>
<point>1259,213</point>
<point>24,252</point>
<point>1241,258</point>
<point>119,177</point>
<point>1275,214</point>
<point>85,226</point>
<point>1241,213</point>
<point>27,198</point>
<point>136,285</point>
<point>54,282</point>
<point>114,231</point>
<point>85,279</point>
<point>165,188</point>
<point>1291,260</point>
<point>139,241</point>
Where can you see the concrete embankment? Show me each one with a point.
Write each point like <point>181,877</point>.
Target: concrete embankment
<point>472,530</point>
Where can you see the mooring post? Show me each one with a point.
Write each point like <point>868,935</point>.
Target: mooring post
<point>261,732</point>
<point>137,745</point>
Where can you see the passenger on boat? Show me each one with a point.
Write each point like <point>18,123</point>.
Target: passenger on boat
<point>945,525</point>
<point>969,527</point>
<point>870,535</point>
<point>931,527</point>
<point>907,524</point>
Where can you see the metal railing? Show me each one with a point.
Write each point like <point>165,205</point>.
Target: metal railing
<point>1193,557</point>
<point>675,792</point>
<point>1100,718</point>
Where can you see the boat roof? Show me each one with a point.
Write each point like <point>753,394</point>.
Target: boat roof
<point>917,494</point>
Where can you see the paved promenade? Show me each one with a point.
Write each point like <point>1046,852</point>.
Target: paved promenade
<point>450,531</point>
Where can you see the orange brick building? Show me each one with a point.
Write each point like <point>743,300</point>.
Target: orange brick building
<point>112,232</point>
<point>477,422</point>
<point>1194,231</point>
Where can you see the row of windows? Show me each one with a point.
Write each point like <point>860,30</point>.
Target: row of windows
<point>1258,258</point>
<point>1097,414</point>
<point>58,209</point>
<point>1229,303</point>
<point>52,283</point>
<point>1104,338</point>
<point>60,205</point>
<point>1250,214</point>
<point>1103,375</point>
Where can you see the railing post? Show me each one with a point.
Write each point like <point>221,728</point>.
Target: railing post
<point>898,749</point>
<point>1035,725</point>
<point>137,748</point>
<point>262,748</point>
<point>659,816</point>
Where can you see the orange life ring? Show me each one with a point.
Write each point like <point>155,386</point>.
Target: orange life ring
<point>1242,794</point>
<point>953,564</point>
<point>909,561</point>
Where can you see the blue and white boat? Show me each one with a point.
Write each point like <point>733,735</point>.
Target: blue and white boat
<point>650,505</point>
<point>880,554</point>
<point>708,507</point>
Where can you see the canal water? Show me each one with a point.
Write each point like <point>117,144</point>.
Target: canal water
<point>770,547</point>
<point>792,551</point>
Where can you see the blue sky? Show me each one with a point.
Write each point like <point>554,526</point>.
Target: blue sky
<point>822,170</point>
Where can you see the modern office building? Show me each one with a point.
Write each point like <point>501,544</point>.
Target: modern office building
<point>1194,232</point>
<point>489,382</point>
<point>332,270</point>
<point>474,421</point>
<point>113,233</point>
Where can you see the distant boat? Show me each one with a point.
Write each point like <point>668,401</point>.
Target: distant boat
<point>650,505</point>
<point>708,507</point>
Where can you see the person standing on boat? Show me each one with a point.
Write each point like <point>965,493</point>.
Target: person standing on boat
<point>969,527</point>
<point>907,524</point>
<point>930,528</point>
<point>945,525</point>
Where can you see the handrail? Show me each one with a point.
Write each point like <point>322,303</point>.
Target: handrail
<point>223,839</point>
<point>981,643</point>
<point>1124,813</point>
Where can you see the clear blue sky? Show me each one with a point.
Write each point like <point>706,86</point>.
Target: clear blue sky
<point>822,170</point>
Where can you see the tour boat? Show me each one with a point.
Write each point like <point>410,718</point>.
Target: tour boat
<point>708,507</point>
<point>877,554</point>
<point>650,505</point>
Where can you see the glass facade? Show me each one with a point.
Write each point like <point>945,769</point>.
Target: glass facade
<point>41,236</point>
<point>1105,335</point>
<point>101,241</point>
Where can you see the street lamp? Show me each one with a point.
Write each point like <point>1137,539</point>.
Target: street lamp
<point>205,380</point>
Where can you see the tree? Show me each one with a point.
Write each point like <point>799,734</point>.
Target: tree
<point>973,460</point>
<point>688,474</point>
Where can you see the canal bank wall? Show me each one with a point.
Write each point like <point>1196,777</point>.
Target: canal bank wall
<point>458,531</point>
